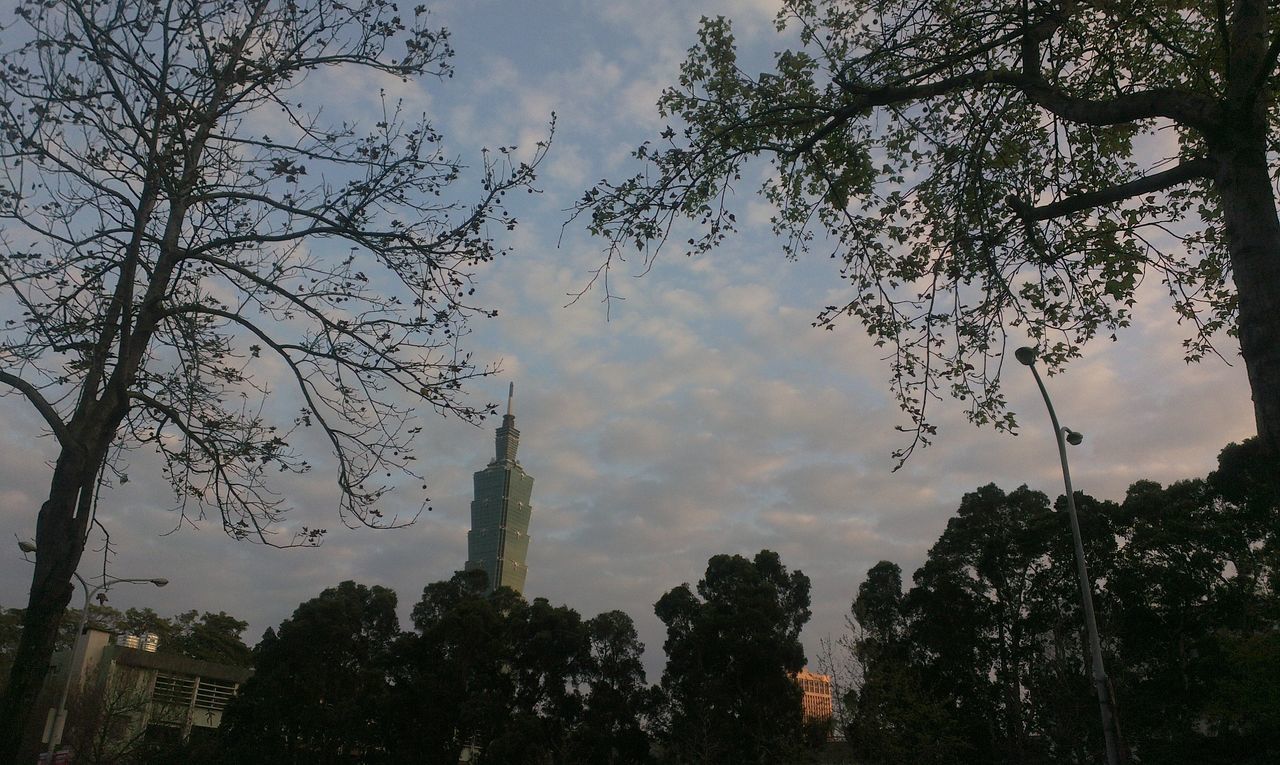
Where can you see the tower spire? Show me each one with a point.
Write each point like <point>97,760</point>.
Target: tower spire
<point>508,438</point>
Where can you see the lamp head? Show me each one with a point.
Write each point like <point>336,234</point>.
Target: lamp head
<point>159,582</point>
<point>1025,355</point>
<point>1074,437</point>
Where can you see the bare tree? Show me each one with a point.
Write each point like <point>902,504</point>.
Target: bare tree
<point>184,231</point>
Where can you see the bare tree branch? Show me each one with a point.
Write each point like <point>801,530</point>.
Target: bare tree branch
<point>65,438</point>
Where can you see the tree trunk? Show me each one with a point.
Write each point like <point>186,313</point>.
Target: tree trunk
<point>59,544</point>
<point>64,518</point>
<point>1253,241</point>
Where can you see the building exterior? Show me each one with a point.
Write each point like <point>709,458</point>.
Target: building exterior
<point>125,693</point>
<point>817,695</point>
<point>498,542</point>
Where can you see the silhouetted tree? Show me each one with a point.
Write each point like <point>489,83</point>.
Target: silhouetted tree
<point>321,691</point>
<point>995,587</point>
<point>513,682</point>
<point>728,691</point>
<point>205,636</point>
<point>890,716</point>
<point>986,651</point>
<point>1194,602</point>
<point>548,659</point>
<point>454,686</point>
<point>611,731</point>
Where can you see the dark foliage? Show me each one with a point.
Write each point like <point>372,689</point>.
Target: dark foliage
<point>984,658</point>
<point>728,694</point>
<point>500,679</point>
<point>319,693</point>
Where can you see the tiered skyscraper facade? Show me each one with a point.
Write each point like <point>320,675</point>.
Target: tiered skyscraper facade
<point>498,542</point>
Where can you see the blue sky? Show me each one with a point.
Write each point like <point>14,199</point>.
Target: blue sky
<point>703,415</point>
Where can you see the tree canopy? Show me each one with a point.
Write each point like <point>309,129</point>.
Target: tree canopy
<point>981,170</point>
<point>199,261</point>
<point>205,636</point>
<point>488,677</point>
<point>319,691</point>
<point>728,692</point>
<point>983,658</point>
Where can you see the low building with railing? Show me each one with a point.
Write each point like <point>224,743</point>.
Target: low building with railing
<point>127,693</point>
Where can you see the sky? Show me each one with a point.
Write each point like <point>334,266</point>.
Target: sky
<point>702,414</point>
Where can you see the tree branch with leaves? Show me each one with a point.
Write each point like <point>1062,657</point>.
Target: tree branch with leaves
<point>981,170</point>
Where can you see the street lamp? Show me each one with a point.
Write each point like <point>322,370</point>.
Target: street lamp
<point>1110,731</point>
<point>60,715</point>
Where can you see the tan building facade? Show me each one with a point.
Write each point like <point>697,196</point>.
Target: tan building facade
<point>817,695</point>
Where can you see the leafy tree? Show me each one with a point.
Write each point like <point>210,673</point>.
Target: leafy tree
<point>210,637</point>
<point>979,168</point>
<point>986,649</point>
<point>548,658</point>
<point>889,715</point>
<point>1246,478</point>
<point>983,658</point>
<point>611,731</point>
<point>162,234</point>
<point>1062,700</point>
<point>207,636</point>
<point>515,682</point>
<point>972,612</point>
<point>1172,561</point>
<point>878,607</point>
<point>453,684</point>
<point>728,690</point>
<point>321,685</point>
<point>1244,703</point>
<point>893,718</point>
<point>1195,612</point>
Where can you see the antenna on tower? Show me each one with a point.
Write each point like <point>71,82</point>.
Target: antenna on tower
<point>511,397</point>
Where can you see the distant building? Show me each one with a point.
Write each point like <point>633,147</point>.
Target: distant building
<point>126,693</point>
<point>817,695</point>
<point>498,542</point>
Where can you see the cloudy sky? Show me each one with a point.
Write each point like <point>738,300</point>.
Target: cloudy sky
<point>704,416</point>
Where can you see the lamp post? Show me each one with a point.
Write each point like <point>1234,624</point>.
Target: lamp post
<point>1110,731</point>
<point>60,713</point>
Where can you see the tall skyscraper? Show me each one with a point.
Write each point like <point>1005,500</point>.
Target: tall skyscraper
<point>498,542</point>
